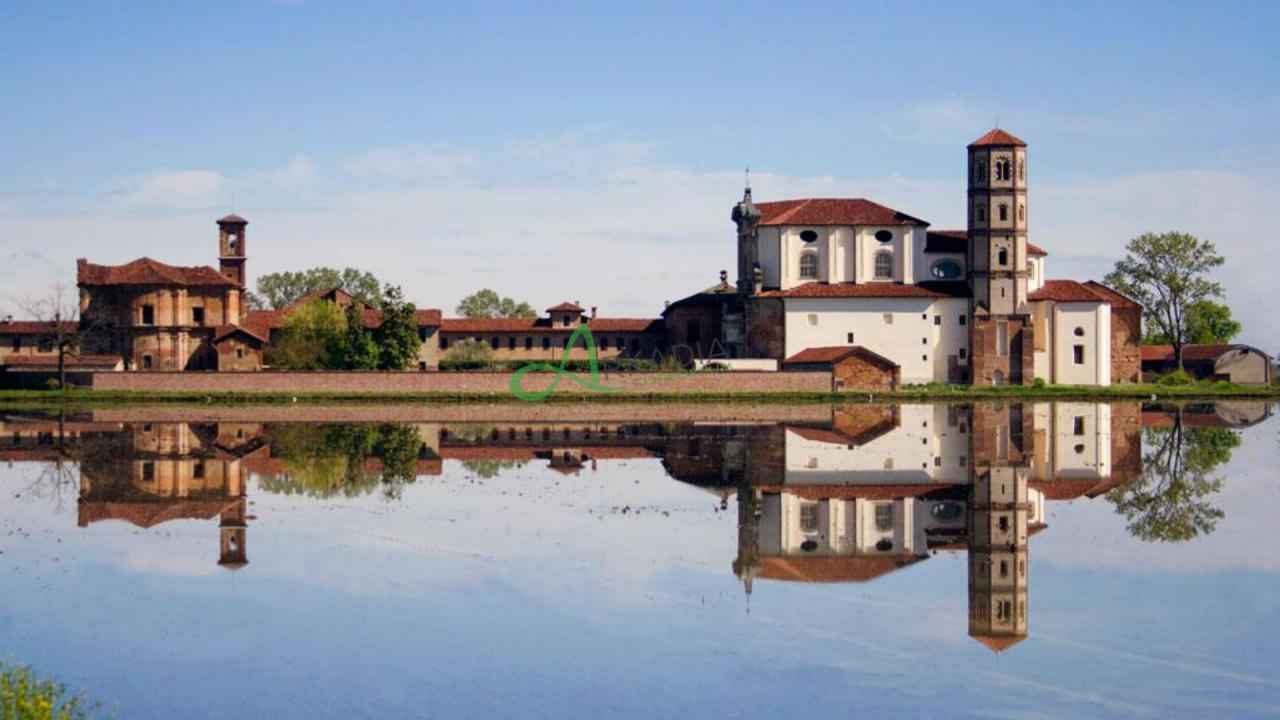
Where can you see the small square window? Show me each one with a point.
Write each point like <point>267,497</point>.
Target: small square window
<point>528,343</point>
<point>963,353</point>
<point>850,339</point>
<point>148,314</point>
<point>444,343</point>
<point>937,320</point>
<point>146,362</point>
<point>924,341</point>
<point>546,343</point>
<point>888,318</point>
<point>197,316</point>
<point>511,343</point>
<point>937,461</point>
<point>963,320</point>
<point>813,319</point>
<point>924,358</point>
<point>924,316</point>
<point>493,342</point>
<point>1077,352</point>
<point>1078,425</point>
<point>240,353</point>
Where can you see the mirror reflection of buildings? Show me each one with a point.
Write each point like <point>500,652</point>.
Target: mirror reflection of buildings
<point>886,488</point>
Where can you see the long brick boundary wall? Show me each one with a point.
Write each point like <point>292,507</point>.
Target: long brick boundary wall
<point>482,383</point>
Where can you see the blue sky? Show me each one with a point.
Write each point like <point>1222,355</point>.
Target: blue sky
<point>598,151</point>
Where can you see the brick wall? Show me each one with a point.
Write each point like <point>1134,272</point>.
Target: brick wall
<point>766,329</point>
<point>1126,343</point>
<point>727,383</point>
<point>1018,367</point>
<point>857,373</point>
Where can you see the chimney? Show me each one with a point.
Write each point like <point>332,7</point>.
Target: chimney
<point>593,312</point>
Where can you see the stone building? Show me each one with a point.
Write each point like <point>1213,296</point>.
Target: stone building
<point>545,338</point>
<point>165,317</point>
<point>954,306</point>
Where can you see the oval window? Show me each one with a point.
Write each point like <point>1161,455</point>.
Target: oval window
<point>1079,332</point>
<point>884,236</point>
<point>885,545</point>
<point>809,236</point>
<point>809,545</point>
<point>946,270</point>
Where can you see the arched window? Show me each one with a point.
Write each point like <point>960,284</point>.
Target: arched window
<point>809,266</point>
<point>1002,170</point>
<point>1022,212</point>
<point>884,265</point>
<point>1004,212</point>
<point>809,236</point>
<point>1003,257</point>
<point>946,270</point>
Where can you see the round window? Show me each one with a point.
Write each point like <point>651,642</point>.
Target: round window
<point>1079,332</point>
<point>885,545</point>
<point>1079,449</point>
<point>884,236</point>
<point>809,545</point>
<point>946,270</point>
<point>809,236</point>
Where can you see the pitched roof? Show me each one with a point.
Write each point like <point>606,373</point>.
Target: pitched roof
<point>1189,352</point>
<point>428,317</point>
<point>565,307</point>
<point>996,136</point>
<point>1113,296</point>
<point>233,218</point>
<point>1033,249</point>
<point>844,568</point>
<point>836,353</point>
<point>145,271</point>
<point>225,331</point>
<point>35,327</point>
<point>832,211</point>
<point>872,290</point>
<point>1066,291</point>
<point>946,241</point>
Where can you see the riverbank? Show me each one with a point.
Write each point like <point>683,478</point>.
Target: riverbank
<point>957,393</point>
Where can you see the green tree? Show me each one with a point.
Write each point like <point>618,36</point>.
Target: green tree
<point>361,351</point>
<point>1168,274</point>
<point>314,338</point>
<point>397,337</point>
<point>1208,323</point>
<point>1169,502</point>
<point>325,461</point>
<point>24,696</point>
<point>281,289</point>
<point>488,304</point>
<point>468,353</point>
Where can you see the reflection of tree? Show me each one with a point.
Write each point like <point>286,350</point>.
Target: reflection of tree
<point>328,460</point>
<point>59,478</point>
<point>1170,502</point>
<point>490,468</point>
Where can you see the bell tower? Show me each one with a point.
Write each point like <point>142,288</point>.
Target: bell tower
<point>1001,334</point>
<point>231,248</point>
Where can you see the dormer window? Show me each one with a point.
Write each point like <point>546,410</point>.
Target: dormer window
<point>884,265</point>
<point>809,266</point>
<point>809,236</point>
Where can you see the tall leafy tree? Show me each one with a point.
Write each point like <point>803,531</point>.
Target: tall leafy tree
<point>1169,502</point>
<point>361,351</point>
<point>1168,273</point>
<point>487,303</point>
<point>1208,323</point>
<point>397,337</point>
<point>314,338</point>
<point>278,290</point>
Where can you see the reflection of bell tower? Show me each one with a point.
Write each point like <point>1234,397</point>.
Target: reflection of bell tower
<point>233,530</point>
<point>1001,331</point>
<point>231,248</point>
<point>747,563</point>
<point>999,514</point>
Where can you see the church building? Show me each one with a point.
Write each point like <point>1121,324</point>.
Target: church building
<point>945,306</point>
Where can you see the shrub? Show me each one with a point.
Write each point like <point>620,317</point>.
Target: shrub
<point>53,384</point>
<point>23,696</point>
<point>715,367</point>
<point>1039,383</point>
<point>468,354</point>
<point>1177,377</point>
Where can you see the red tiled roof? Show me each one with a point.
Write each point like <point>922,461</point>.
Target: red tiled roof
<point>1113,296</point>
<point>262,322</point>
<point>224,331</point>
<point>428,317</point>
<point>818,568</point>
<point>543,325</point>
<point>1189,352</point>
<point>1066,291</point>
<point>35,327</point>
<point>832,211</point>
<point>836,353</point>
<point>233,218</point>
<point>565,307</point>
<point>145,271</point>
<point>872,290</point>
<point>997,136</point>
<point>1036,250</point>
<point>41,362</point>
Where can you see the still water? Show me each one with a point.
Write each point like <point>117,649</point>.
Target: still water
<point>1023,560</point>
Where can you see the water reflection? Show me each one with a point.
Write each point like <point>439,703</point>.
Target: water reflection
<point>852,497</point>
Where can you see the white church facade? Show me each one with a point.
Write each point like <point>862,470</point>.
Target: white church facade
<point>943,306</point>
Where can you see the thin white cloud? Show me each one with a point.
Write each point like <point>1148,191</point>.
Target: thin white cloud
<point>168,190</point>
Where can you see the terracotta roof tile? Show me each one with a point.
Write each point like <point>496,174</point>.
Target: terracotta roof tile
<point>428,317</point>
<point>999,643</point>
<point>1066,291</point>
<point>872,290</point>
<point>832,211</point>
<point>1113,296</point>
<point>224,331</point>
<point>145,271</point>
<point>543,325</point>
<point>1036,250</point>
<point>1189,352</point>
<point>233,218</point>
<point>836,353</point>
<point>996,136</point>
<point>565,307</point>
<point>34,327</point>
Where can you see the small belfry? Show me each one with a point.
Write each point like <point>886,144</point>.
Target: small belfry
<point>1002,331</point>
<point>231,248</point>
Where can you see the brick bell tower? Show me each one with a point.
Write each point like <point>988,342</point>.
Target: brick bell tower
<point>1001,335</point>
<point>231,249</point>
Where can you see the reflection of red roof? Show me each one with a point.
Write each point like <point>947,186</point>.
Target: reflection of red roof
<point>832,211</point>
<point>846,491</point>
<point>996,136</point>
<point>999,643</point>
<point>151,514</point>
<point>35,327</point>
<point>931,290</point>
<point>844,568</point>
<point>145,271</point>
<point>1066,291</point>
<point>233,219</point>
<point>835,353</point>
